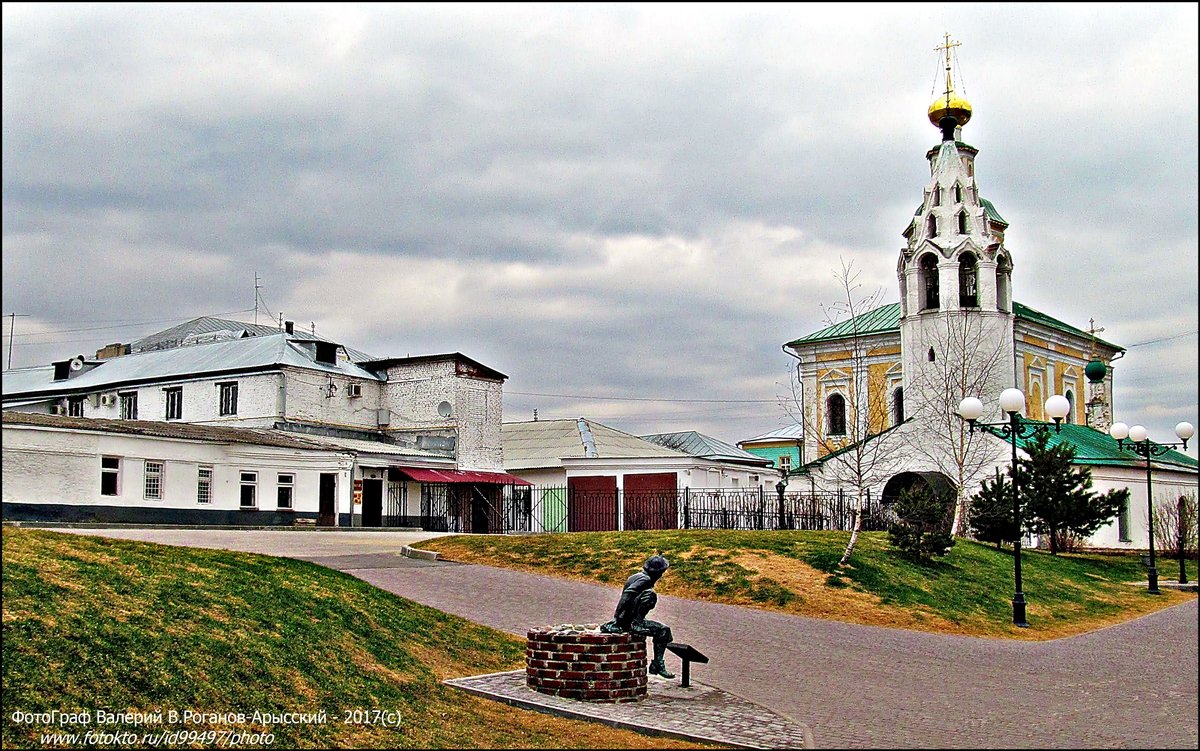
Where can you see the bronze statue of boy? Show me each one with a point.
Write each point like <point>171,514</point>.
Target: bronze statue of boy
<point>637,600</point>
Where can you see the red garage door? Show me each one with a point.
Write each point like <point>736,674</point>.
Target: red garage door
<point>651,501</point>
<point>591,504</point>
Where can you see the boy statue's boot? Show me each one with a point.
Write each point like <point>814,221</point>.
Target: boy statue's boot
<point>659,667</point>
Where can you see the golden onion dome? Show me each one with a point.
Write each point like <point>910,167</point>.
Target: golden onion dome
<point>950,104</point>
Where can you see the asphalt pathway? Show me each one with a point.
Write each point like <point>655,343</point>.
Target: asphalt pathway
<point>1133,685</point>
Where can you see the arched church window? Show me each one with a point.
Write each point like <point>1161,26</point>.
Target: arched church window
<point>1003,284</point>
<point>962,223</point>
<point>957,193</point>
<point>936,196</point>
<point>968,281</point>
<point>932,356</point>
<point>931,225</point>
<point>898,405</point>
<point>835,413</point>
<point>1070,405</point>
<point>929,281</point>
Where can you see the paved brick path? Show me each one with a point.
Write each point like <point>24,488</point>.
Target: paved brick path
<point>1133,685</point>
<point>1128,686</point>
<point>698,712</point>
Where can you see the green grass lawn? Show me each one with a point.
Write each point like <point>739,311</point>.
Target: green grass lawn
<point>967,592</point>
<point>92,623</point>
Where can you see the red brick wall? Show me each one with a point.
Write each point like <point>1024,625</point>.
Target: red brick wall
<point>585,664</point>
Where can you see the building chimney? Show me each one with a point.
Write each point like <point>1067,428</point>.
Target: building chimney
<point>289,327</point>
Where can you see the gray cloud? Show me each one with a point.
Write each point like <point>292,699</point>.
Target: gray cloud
<point>597,200</point>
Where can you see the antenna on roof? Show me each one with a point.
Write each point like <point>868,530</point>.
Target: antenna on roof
<point>535,416</point>
<point>256,289</point>
<point>314,327</point>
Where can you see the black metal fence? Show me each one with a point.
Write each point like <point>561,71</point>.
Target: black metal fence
<point>516,508</point>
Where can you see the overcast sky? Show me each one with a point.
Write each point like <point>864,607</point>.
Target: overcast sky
<point>633,201</point>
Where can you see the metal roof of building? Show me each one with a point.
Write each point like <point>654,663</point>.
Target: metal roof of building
<point>705,447</point>
<point>886,318</point>
<point>545,443</point>
<point>786,433</point>
<point>228,434</point>
<point>1095,447</point>
<point>178,430</point>
<point>231,356</point>
<point>187,333</point>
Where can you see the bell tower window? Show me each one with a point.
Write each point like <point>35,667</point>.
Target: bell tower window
<point>929,281</point>
<point>962,223</point>
<point>957,193</point>
<point>968,278</point>
<point>1003,284</point>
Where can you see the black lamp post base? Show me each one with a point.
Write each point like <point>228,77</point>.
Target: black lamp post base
<point>1018,604</point>
<point>1153,576</point>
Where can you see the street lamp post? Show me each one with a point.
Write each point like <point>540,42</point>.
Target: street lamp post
<point>1012,401</point>
<point>1135,439</point>
<point>779,488</point>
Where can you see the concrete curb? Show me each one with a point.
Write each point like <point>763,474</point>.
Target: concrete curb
<point>425,555</point>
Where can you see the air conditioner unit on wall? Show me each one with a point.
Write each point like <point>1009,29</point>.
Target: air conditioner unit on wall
<point>59,409</point>
<point>353,390</point>
<point>107,400</point>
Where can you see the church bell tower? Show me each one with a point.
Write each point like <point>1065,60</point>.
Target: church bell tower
<point>955,274</point>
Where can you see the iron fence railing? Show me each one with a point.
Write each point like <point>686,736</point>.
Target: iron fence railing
<point>515,508</point>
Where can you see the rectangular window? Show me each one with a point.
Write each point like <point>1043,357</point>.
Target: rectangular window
<point>75,406</point>
<point>174,397</point>
<point>785,463</point>
<point>286,483</point>
<point>204,485</point>
<point>1123,523</point>
<point>110,475</point>
<point>228,398</point>
<point>249,490</point>
<point>154,478</point>
<point>129,405</point>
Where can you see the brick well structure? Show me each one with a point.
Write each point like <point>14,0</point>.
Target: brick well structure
<point>579,662</point>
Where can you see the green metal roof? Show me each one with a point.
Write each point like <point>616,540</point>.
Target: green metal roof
<point>878,321</point>
<point>887,318</point>
<point>991,211</point>
<point>1036,316</point>
<point>1094,447</point>
<point>845,449</point>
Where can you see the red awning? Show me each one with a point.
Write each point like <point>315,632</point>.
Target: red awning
<point>458,476</point>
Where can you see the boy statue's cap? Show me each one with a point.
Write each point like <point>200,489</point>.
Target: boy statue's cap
<point>656,564</point>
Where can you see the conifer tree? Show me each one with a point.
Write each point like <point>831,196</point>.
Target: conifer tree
<point>922,529</point>
<point>991,514</point>
<point>1056,495</point>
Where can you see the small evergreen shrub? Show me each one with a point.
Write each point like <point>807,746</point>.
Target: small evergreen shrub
<point>922,527</point>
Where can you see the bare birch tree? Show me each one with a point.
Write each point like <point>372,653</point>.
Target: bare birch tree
<point>967,363</point>
<point>862,455</point>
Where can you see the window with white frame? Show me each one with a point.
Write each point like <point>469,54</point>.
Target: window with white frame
<point>75,406</point>
<point>204,476</point>
<point>249,494</point>
<point>835,415</point>
<point>174,399</point>
<point>154,480</point>
<point>785,463</point>
<point>284,497</point>
<point>110,475</point>
<point>229,398</point>
<point>129,409</point>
